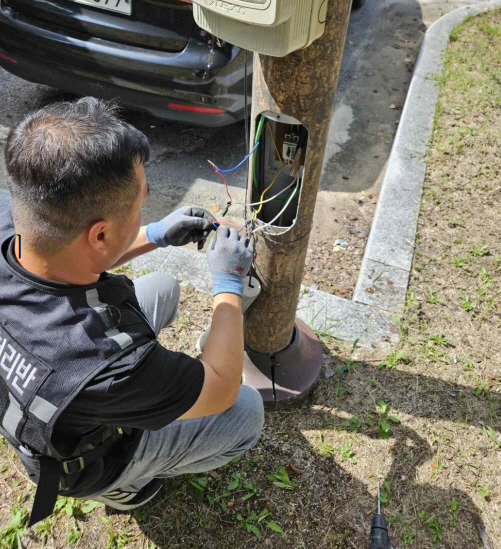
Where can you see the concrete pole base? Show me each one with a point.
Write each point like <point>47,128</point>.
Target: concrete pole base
<point>288,375</point>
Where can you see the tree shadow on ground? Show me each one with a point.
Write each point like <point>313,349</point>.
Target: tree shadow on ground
<point>333,501</point>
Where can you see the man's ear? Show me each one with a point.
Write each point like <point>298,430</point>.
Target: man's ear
<point>96,234</point>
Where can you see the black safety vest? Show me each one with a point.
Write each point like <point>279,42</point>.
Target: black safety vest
<point>51,346</point>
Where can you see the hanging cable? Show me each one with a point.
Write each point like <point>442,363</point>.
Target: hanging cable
<point>239,164</point>
<point>214,167</point>
<point>247,131</point>
<point>246,102</point>
<point>280,213</point>
<point>256,212</point>
<point>259,131</point>
<point>268,199</point>
<point>230,224</point>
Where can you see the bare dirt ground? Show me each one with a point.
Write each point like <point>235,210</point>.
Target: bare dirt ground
<point>425,419</point>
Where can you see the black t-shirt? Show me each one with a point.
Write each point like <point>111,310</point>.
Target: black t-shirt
<point>150,394</point>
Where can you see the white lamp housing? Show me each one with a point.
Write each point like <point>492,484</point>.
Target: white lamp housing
<point>270,27</point>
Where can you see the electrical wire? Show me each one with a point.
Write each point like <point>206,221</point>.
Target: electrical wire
<point>268,199</point>
<point>246,118</point>
<point>274,142</point>
<point>259,131</point>
<point>229,223</point>
<point>280,213</point>
<point>246,102</point>
<point>214,167</point>
<point>239,164</point>
<point>256,212</point>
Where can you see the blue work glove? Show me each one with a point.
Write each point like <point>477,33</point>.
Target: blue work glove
<point>185,225</point>
<point>230,258</point>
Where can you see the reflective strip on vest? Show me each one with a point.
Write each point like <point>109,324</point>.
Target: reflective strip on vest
<point>123,339</point>
<point>12,417</point>
<point>40,408</point>
<point>43,409</point>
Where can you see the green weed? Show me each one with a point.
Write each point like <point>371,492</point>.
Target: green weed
<point>459,261</point>
<point>480,250</point>
<point>324,448</point>
<point>494,438</point>
<point>393,359</point>
<point>347,453</point>
<point>484,492</point>
<point>431,296</point>
<point>253,524</point>
<point>411,300</point>
<point>44,529</point>
<point>482,386</point>
<point>10,536</point>
<point>439,340</point>
<point>74,534</point>
<point>385,493</point>
<point>466,303</point>
<point>281,479</point>
<point>353,424</point>
<point>453,511</point>
<point>118,540</point>
<point>382,420</point>
<point>433,525</point>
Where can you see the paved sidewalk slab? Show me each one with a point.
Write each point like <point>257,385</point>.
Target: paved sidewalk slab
<point>348,320</point>
<point>382,286</point>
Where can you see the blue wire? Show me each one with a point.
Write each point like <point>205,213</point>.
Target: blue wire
<point>240,163</point>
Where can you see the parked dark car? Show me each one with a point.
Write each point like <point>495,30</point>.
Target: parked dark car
<point>148,53</point>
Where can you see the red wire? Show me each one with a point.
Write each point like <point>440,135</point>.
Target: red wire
<point>234,225</point>
<point>223,178</point>
<point>220,221</point>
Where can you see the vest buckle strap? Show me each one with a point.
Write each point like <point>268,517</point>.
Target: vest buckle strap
<point>73,465</point>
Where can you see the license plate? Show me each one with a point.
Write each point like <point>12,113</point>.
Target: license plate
<point>121,6</point>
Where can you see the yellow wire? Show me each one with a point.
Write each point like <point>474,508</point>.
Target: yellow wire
<point>274,142</point>
<point>256,213</point>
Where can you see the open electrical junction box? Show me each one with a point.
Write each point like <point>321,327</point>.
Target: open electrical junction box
<point>277,171</point>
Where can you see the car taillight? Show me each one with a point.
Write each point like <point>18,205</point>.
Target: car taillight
<point>7,58</point>
<point>194,108</point>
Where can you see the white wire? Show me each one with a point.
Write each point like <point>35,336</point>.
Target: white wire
<point>268,199</point>
<point>277,216</point>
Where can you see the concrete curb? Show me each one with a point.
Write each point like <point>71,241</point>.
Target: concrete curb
<point>387,261</point>
<point>379,297</point>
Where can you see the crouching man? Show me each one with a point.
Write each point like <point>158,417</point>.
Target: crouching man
<point>95,407</point>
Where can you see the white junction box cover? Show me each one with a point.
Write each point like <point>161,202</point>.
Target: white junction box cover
<point>270,27</point>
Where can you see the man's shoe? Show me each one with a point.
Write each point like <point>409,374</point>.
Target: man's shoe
<point>126,501</point>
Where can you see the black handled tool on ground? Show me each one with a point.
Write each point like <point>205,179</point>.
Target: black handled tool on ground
<point>379,529</point>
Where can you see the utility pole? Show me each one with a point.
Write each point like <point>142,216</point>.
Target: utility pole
<point>285,356</point>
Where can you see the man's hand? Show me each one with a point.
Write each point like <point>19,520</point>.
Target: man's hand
<point>185,225</point>
<point>230,258</point>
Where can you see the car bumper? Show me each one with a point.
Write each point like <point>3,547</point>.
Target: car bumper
<point>165,84</point>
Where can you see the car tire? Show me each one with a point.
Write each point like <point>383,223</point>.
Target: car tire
<point>356,4</point>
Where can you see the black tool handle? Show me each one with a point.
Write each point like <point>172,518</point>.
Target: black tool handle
<point>379,533</point>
